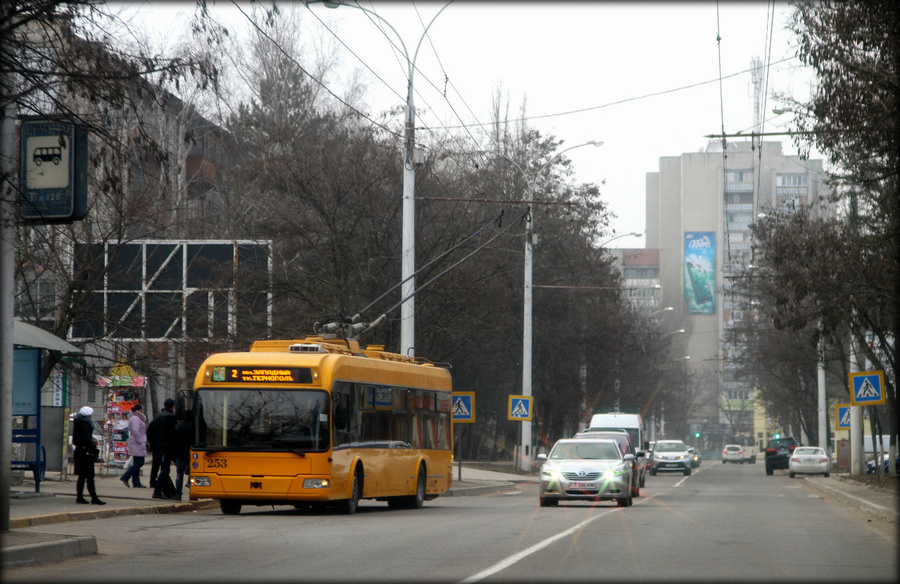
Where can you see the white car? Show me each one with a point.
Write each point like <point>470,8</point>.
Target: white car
<point>809,460</point>
<point>733,453</point>
<point>586,469</point>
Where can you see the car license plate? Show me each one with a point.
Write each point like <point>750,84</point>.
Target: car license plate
<point>670,465</point>
<point>581,486</point>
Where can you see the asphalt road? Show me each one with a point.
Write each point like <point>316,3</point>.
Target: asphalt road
<point>723,523</point>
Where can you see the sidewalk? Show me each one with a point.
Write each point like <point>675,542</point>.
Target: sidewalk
<point>55,503</point>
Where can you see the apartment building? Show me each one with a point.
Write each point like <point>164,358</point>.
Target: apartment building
<point>699,210</point>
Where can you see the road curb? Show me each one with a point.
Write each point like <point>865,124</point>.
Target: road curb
<point>60,547</point>
<point>864,504</point>
<point>55,518</point>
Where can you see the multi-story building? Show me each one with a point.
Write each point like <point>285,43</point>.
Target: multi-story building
<point>640,271</point>
<point>699,210</point>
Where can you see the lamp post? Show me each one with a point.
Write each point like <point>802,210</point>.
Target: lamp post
<point>632,234</point>
<point>408,254</point>
<point>524,460</point>
<point>666,309</point>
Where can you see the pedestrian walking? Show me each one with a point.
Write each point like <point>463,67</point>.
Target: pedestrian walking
<point>137,446</point>
<point>165,442</point>
<point>86,453</point>
<point>184,437</point>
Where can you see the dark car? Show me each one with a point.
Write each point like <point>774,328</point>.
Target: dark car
<point>778,453</point>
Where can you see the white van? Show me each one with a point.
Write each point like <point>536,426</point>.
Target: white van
<point>631,423</point>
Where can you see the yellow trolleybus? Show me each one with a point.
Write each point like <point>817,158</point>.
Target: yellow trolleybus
<point>320,421</point>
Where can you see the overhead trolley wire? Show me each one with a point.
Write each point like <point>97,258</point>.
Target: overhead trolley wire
<point>310,75</point>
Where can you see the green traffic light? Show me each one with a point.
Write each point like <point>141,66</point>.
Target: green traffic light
<point>696,434</point>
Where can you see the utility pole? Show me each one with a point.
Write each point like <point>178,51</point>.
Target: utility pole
<point>7,280</point>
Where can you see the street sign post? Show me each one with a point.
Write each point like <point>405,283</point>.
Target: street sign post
<point>54,169</point>
<point>520,408</point>
<point>867,388</point>
<point>842,416</point>
<point>463,407</point>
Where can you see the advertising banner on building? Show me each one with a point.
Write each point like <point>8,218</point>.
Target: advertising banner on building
<point>700,271</point>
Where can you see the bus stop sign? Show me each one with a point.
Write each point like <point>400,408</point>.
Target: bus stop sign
<point>54,156</point>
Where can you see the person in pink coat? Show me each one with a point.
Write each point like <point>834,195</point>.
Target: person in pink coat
<point>137,446</point>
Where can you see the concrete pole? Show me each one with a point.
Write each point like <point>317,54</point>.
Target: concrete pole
<point>7,298</point>
<point>824,442</point>
<point>857,453</point>
<point>525,450</point>
<point>408,257</point>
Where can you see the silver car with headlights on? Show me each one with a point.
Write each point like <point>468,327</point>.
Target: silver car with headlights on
<point>586,469</point>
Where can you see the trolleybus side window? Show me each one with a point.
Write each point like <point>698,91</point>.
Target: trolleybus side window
<point>383,417</point>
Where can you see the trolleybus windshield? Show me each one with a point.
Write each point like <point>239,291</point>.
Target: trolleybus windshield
<point>243,418</point>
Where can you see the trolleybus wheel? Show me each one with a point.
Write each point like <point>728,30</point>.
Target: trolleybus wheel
<point>229,507</point>
<point>416,501</point>
<point>349,506</point>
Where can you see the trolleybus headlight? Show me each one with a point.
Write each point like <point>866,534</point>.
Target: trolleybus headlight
<point>199,481</point>
<point>315,483</point>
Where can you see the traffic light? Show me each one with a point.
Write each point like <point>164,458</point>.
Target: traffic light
<point>696,434</point>
<point>777,435</point>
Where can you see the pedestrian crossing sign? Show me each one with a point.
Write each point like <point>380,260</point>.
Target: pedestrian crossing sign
<point>520,408</point>
<point>463,408</point>
<point>867,388</point>
<point>842,416</point>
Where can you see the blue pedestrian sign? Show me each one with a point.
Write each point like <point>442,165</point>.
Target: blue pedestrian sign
<point>520,408</point>
<point>867,388</point>
<point>842,416</point>
<point>463,407</point>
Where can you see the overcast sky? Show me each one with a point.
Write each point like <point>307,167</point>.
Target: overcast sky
<point>641,77</point>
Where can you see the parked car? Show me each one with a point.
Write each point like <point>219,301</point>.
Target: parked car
<point>671,455</point>
<point>639,467</point>
<point>778,453</point>
<point>870,465</point>
<point>809,460</point>
<point>586,469</point>
<point>733,453</point>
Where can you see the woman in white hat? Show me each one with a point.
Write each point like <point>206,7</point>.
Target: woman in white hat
<point>85,454</point>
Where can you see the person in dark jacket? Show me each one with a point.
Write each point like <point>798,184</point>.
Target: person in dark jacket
<point>85,454</point>
<point>165,442</point>
<point>153,451</point>
<point>184,437</point>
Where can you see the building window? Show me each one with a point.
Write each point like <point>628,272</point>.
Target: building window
<point>790,190</point>
<point>640,273</point>
<point>738,181</point>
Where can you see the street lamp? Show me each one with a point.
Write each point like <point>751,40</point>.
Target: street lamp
<point>525,445</point>
<point>666,309</point>
<point>679,331</point>
<point>632,234</point>
<point>408,255</point>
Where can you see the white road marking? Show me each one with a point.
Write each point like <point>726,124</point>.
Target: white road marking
<point>503,564</point>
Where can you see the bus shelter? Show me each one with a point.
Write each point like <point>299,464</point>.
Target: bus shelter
<point>29,342</point>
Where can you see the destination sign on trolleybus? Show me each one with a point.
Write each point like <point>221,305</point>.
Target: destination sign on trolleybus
<point>224,374</point>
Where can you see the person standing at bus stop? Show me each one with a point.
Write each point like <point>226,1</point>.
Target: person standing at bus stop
<point>86,453</point>
<point>153,450</point>
<point>137,446</point>
<point>184,437</point>
<point>166,443</point>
